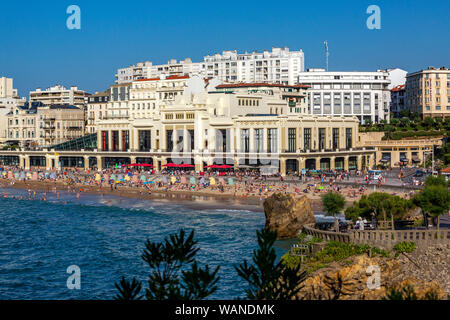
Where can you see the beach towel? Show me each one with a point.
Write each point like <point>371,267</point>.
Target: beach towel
<point>183,180</point>
<point>143,178</point>
<point>35,176</point>
<point>193,180</point>
<point>230,181</point>
<point>212,181</point>
<point>173,179</point>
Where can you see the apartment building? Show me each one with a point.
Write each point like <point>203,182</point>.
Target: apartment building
<point>365,95</point>
<point>60,95</point>
<point>22,125</point>
<point>96,110</point>
<point>277,66</point>
<point>6,88</point>
<point>59,123</point>
<point>428,92</point>
<point>398,100</point>
<point>146,70</point>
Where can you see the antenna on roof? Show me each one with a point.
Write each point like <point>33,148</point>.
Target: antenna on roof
<point>326,52</point>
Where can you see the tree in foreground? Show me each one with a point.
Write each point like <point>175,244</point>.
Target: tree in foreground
<point>333,203</point>
<point>434,201</point>
<point>175,273</point>
<point>269,280</point>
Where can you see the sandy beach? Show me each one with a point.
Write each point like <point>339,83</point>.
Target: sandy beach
<point>249,197</point>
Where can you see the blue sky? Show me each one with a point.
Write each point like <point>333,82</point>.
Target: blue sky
<point>37,49</point>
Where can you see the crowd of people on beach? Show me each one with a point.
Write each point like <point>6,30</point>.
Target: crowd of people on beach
<point>247,183</point>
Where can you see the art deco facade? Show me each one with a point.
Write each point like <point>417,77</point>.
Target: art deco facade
<point>428,92</point>
<point>243,125</point>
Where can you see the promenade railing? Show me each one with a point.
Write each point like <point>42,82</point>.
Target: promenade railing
<point>386,239</point>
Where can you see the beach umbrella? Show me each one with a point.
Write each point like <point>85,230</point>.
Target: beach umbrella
<point>192,180</point>
<point>225,166</point>
<point>186,166</point>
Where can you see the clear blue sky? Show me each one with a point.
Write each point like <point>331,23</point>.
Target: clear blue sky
<point>37,49</point>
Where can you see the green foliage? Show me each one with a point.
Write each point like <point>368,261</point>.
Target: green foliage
<point>291,261</point>
<point>339,251</point>
<point>170,278</point>
<point>333,203</point>
<point>407,292</point>
<point>436,181</point>
<point>267,279</point>
<point>434,200</point>
<point>382,205</point>
<point>405,247</point>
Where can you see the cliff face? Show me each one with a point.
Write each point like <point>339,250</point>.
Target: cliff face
<point>423,270</point>
<point>287,215</point>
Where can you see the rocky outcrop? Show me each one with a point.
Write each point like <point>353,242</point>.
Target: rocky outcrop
<point>287,215</point>
<point>423,270</point>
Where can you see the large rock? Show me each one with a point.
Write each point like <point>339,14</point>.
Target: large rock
<point>349,279</point>
<point>287,215</point>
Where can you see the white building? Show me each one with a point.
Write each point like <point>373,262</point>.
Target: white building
<point>146,70</point>
<point>397,77</point>
<point>365,95</point>
<point>9,99</point>
<point>278,66</point>
<point>60,95</point>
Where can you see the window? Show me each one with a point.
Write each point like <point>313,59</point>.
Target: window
<point>348,138</point>
<point>335,138</point>
<point>259,140</point>
<point>307,138</point>
<point>292,139</point>
<point>245,140</point>
<point>272,140</point>
<point>169,139</point>
<point>321,138</point>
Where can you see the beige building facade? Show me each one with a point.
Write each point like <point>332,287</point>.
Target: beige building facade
<point>242,125</point>
<point>395,153</point>
<point>428,92</point>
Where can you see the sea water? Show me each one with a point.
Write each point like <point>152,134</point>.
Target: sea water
<point>105,237</point>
